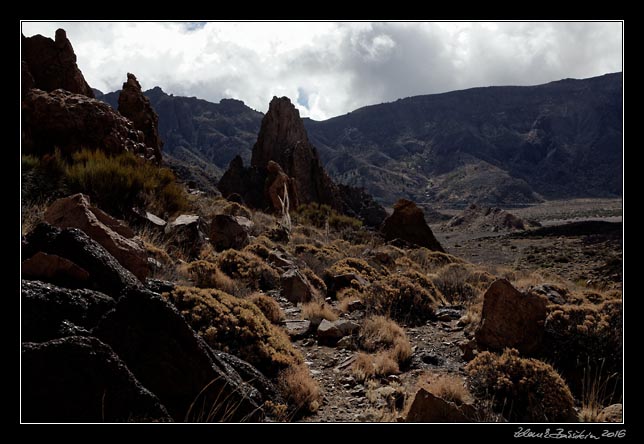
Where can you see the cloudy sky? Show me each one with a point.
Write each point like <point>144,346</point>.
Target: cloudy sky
<point>331,68</point>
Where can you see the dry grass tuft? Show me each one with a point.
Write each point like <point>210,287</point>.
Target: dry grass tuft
<point>300,389</point>
<point>448,387</point>
<point>317,311</point>
<point>207,275</point>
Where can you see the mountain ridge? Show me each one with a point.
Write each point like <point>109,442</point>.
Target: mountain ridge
<point>500,145</point>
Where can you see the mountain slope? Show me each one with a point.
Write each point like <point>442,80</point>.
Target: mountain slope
<point>493,145</point>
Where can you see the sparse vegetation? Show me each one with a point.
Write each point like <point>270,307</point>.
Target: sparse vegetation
<point>320,215</point>
<point>523,389</point>
<point>300,389</point>
<point>207,275</point>
<point>236,326</point>
<point>317,311</point>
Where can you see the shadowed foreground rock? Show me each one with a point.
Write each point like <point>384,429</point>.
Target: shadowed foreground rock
<point>408,224</point>
<point>106,274</point>
<point>169,358</point>
<point>46,307</point>
<point>511,319</point>
<point>80,379</point>
<point>427,407</point>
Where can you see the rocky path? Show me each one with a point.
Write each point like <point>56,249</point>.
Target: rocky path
<point>435,348</point>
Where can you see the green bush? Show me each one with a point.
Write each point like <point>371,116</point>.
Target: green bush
<point>523,390</point>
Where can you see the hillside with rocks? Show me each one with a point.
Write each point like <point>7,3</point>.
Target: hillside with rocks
<point>285,297</point>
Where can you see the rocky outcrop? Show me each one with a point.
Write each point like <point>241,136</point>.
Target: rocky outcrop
<point>52,64</point>
<point>283,158</point>
<point>407,223</point>
<point>26,79</point>
<point>114,235</point>
<point>68,121</point>
<point>106,274</point>
<point>170,359</point>
<point>136,107</point>
<point>229,232</point>
<point>428,407</point>
<point>511,319</point>
<point>186,233</point>
<point>47,310</point>
<point>80,379</point>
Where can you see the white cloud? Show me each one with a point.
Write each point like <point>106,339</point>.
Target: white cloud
<point>330,68</point>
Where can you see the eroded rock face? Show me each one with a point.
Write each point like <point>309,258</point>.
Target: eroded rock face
<point>169,358</point>
<point>80,379</point>
<point>106,274</point>
<point>136,107</point>
<point>114,235</point>
<point>70,121</point>
<point>55,269</point>
<point>52,64</point>
<point>408,224</point>
<point>511,319</point>
<point>296,287</point>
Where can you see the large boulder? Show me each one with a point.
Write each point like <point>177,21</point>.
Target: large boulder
<point>136,107</point>
<point>511,319</point>
<point>52,64</point>
<point>330,333</point>
<point>428,407</point>
<point>229,232</point>
<point>186,233</point>
<point>80,379</point>
<point>169,358</point>
<point>114,235</point>
<point>67,121</point>
<point>47,310</point>
<point>408,224</point>
<point>106,274</point>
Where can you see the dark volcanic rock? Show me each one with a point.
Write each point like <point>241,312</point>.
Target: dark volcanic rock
<point>45,307</point>
<point>113,234</point>
<point>106,274</point>
<point>169,358</point>
<point>186,233</point>
<point>80,379</point>
<point>489,219</point>
<point>408,223</point>
<point>55,269</point>
<point>52,64</point>
<point>511,319</point>
<point>229,232</point>
<point>136,107</point>
<point>27,80</point>
<point>73,121</point>
<point>360,204</point>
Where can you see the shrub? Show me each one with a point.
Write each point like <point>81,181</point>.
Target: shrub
<point>268,306</point>
<point>249,268</point>
<point>585,338</point>
<point>234,209</point>
<point>446,386</point>
<point>319,215</point>
<point>236,326</point>
<point>460,283</point>
<point>409,297</point>
<point>351,265</point>
<point>523,390</point>
<point>429,260</point>
<point>117,183</point>
<point>207,275</point>
<point>42,179</point>
<point>260,246</point>
<point>378,333</point>
<point>300,389</point>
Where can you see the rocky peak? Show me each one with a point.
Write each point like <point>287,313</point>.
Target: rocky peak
<point>52,64</point>
<point>136,107</point>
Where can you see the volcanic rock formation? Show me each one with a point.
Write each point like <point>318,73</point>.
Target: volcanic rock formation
<point>52,64</point>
